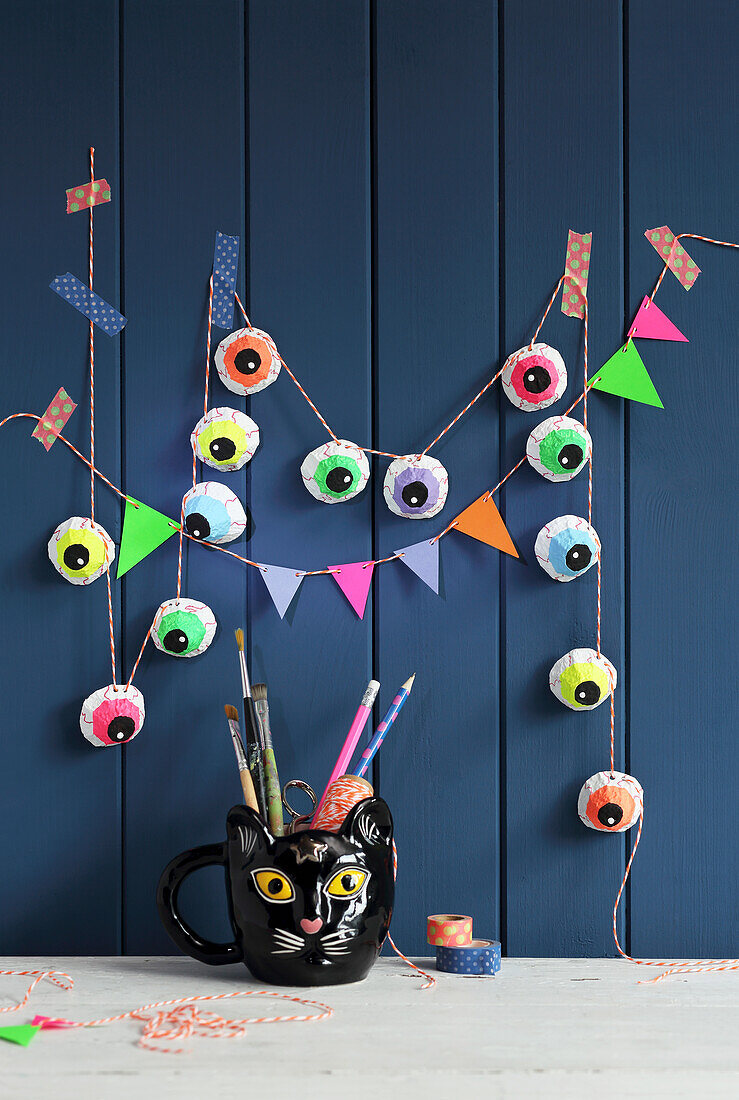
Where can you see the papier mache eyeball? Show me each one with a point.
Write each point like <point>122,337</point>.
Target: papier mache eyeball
<point>534,378</point>
<point>213,513</point>
<point>81,550</point>
<point>247,361</point>
<point>112,715</point>
<point>335,472</point>
<point>558,448</point>
<point>610,802</point>
<point>416,487</point>
<point>582,679</point>
<point>183,628</point>
<point>566,547</point>
<point>225,439</point>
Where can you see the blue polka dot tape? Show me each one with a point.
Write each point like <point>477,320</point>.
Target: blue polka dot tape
<point>478,957</point>
<point>88,302</point>
<point>225,266</point>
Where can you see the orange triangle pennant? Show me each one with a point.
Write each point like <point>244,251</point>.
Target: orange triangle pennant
<point>482,521</point>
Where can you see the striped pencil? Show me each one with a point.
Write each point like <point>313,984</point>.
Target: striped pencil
<point>384,726</point>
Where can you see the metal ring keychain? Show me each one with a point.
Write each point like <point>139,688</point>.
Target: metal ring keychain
<point>298,820</point>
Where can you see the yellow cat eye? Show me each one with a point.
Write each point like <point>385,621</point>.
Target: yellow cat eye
<point>347,883</point>
<point>273,886</point>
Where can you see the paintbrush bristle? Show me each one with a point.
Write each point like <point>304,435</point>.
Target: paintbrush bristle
<point>231,712</point>
<point>259,691</point>
<point>240,639</point>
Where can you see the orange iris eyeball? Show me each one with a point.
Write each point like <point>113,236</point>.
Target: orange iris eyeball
<point>610,802</point>
<point>247,361</point>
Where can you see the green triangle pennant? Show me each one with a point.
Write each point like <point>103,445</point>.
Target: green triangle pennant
<point>626,376</point>
<point>19,1033</point>
<point>144,530</point>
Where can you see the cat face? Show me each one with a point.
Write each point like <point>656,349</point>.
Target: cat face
<point>312,908</point>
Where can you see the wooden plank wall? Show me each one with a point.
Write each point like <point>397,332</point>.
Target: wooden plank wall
<point>402,178</point>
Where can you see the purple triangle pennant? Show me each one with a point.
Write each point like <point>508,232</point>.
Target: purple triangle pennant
<point>423,559</point>
<point>282,584</point>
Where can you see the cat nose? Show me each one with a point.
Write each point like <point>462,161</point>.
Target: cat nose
<point>311,926</point>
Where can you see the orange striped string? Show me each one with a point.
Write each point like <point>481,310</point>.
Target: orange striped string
<point>679,237</point>
<point>430,980</point>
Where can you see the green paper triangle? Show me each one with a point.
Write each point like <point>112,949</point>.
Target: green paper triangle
<point>144,530</point>
<point>626,376</point>
<point>19,1033</point>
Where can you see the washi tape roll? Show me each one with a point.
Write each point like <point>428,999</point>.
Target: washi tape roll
<point>478,957</point>
<point>448,930</point>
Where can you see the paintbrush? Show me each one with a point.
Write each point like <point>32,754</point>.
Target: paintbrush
<point>271,778</point>
<point>254,744</point>
<point>247,785</point>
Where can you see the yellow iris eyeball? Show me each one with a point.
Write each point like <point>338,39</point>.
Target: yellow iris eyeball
<point>81,550</point>
<point>273,885</point>
<point>225,439</point>
<point>347,883</point>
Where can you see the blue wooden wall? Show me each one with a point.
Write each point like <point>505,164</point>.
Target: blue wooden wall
<point>402,177</point>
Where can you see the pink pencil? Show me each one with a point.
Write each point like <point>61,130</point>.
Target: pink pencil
<point>350,744</point>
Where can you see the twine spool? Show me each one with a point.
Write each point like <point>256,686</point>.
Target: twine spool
<point>343,793</point>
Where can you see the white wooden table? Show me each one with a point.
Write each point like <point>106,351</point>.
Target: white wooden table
<point>542,1028</point>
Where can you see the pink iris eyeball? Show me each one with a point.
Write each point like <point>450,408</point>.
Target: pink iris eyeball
<point>534,378</point>
<point>112,715</point>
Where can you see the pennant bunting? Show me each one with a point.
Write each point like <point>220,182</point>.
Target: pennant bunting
<point>625,375</point>
<point>422,558</point>
<point>282,584</point>
<point>49,1023</point>
<point>144,529</point>
<point>673,254</point>
<point>577,264</point>
<point>354,580</point>
<point>22,1034</point>
<point>225,266</point>
<point>482,521</point>
<point>56,416</point>
<point>651,323</point>
<point>94,307</point>
<point>86,195</point>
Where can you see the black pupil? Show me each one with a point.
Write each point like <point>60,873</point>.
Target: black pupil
<point>175,641</point>
<point>247,361</point>
<point>121,728</point>
<point>578,557</point>
<point>415,495</point>
<point>76,556</point>
<point>587,692</point>
<point>197,526</point>
<point>339,480</point>
<point>348,881</point>
<point>274,886</point>
<point>222,448</point>
<point>537,379</point>
<point>571,456</point>
<point>610,814</point>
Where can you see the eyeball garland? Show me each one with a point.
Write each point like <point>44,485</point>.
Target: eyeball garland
<point>183,628</point>
<point>247,361</point>
<point>81,550</point>
<point>112,715</point>
<point>225,439</point>
<point>610,802</point>
<point>416,487</point>
<point>558,448</point>
<point>566,547</point>
<point>335,472</point>
<point>213,513</point>
<point>534,378</point>
<point>582,679</point>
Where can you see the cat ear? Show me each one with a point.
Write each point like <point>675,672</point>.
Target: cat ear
<point>246,831</point>
<point>369,822</point>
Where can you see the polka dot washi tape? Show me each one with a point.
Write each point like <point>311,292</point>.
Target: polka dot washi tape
<point>478,957</point>
<point>448,929</point>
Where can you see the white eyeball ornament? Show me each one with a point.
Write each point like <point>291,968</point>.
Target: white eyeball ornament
<point>559,448</point>
<point>183,627</point>
<point>213,513</point>
<point>534,378</point>
<point>582,679</point>
<point>610,802</point>
<point>81,550</point>
<point>225,439</point>
<point>416,487</point>
<point>566,547</point>
<point>335,472</point>
<point>247,361</point>
<point>112,715</point>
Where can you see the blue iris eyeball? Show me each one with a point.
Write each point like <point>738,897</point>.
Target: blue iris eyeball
<point>416,487</point>
<point>566,547</point>
<point>213,513</point>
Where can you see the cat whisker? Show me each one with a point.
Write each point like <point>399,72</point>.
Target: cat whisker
<point>281,933</point>
<point>336,937</point>
<point>286,951</point>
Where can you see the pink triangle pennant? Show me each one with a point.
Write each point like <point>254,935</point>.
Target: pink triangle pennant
<point>651,323</point>
<point>354,580</point>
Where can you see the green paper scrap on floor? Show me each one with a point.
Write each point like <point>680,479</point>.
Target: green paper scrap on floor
<point>22,1034</point>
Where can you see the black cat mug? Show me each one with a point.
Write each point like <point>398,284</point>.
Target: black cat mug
<point>312,908</point>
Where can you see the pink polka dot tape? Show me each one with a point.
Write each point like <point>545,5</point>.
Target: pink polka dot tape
<point>449,930</point>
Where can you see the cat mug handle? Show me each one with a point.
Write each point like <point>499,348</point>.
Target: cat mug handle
<point>189,941</point>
